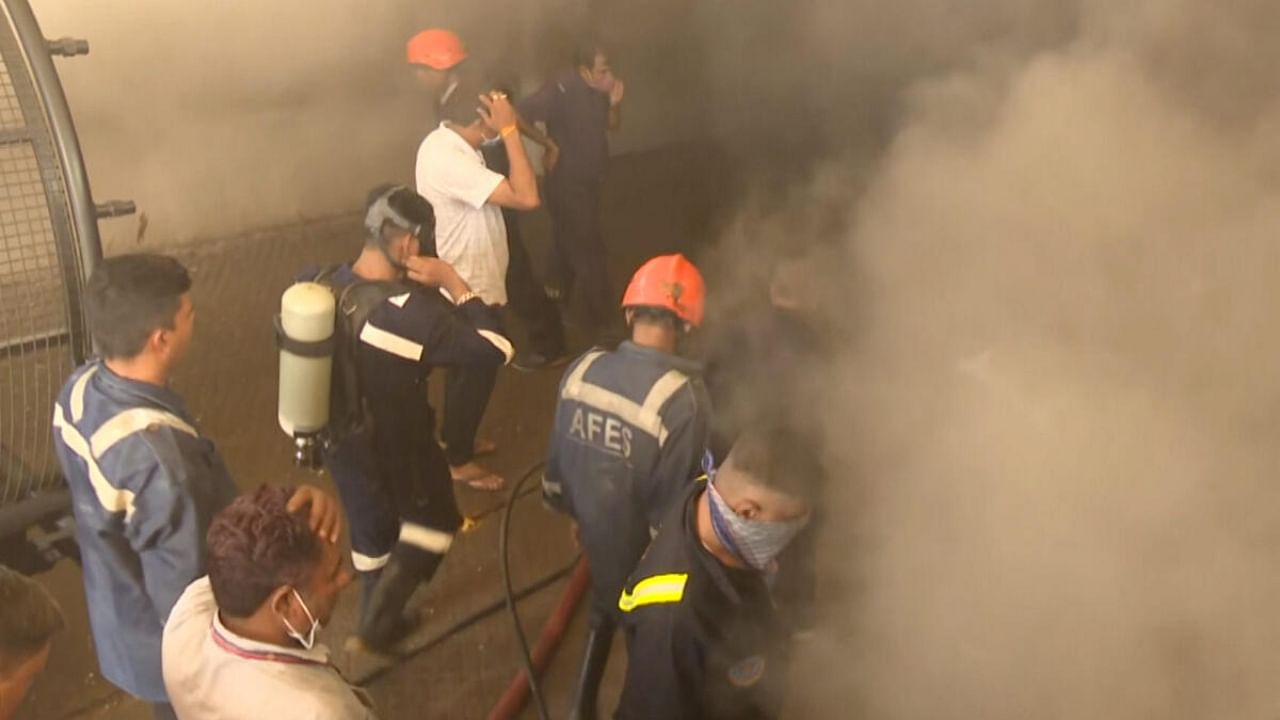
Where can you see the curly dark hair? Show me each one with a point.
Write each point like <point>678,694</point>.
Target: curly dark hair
<point>254,546</point>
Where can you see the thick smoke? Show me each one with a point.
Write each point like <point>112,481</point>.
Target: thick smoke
<point>1052,428</point>
<point>222,117</point>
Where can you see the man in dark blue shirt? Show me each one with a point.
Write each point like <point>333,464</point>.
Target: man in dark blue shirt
<point>579,107</point>
<point>393,477</point>
<point>703,640</point>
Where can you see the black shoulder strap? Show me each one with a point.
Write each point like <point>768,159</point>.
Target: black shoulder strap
<point>325,274</point>
<point>359,299</point>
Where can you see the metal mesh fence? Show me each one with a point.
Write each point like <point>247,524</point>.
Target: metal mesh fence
<point>35,355</point>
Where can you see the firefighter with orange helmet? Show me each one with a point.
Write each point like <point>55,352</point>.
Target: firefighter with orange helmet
<point>631,429</point>
<point>435,54</point>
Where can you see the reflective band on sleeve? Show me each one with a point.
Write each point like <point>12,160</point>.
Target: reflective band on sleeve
<point>390,342</point>
<point>656,590</point>
<point>366,563</point>
<point>112,498</point>
<point>500,342</point>
<point>399,300</point>
<point>77,393</point>
<point>425,538</point>
<point>552,488</point>
<point>131,421</point>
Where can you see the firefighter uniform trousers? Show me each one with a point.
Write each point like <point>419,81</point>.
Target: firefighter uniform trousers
<point>396,487</point>
<point>630,430</point>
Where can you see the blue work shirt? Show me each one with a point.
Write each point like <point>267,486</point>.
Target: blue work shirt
<point>144,485</point>
<point>630,431</point>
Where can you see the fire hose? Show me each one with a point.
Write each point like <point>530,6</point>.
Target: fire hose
<point>526,683</point>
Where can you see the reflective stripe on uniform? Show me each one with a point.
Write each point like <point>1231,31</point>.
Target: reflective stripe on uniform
<point>367,563</point>
<point>425,538</point>
<point>131,421</point>
<point>112,498</point>
<point>656,590</point>
<point>399,300</point>
<point>500,342</point>
<point>662,390</point>
<point>77,393</point>
<point>646,417</point>
<point>390,342</point>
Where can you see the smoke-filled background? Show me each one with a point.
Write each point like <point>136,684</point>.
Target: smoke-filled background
<point>1053,421</point>
<point>223,117</point>
<point>1047,241</point>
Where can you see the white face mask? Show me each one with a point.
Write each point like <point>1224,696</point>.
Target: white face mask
<point>755,542</point>
<point>309,641</point>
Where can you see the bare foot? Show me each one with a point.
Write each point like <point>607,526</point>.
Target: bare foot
<point>477,477</point>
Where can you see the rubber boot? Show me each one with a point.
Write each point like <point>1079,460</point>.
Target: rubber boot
<point>382,618</point>
<point>599,640</point>
<point>368,581</point>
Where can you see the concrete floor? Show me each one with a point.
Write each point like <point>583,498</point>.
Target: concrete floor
<point>657,202</point>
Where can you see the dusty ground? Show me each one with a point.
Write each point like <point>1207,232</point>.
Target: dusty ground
<point>657,202</point>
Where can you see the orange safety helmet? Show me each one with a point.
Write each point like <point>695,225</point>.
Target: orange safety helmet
<point>436,48</point>
<point>669,282</point>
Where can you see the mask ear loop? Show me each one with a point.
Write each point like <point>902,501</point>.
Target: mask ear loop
<point>719,523</point>
<point>310,640</point>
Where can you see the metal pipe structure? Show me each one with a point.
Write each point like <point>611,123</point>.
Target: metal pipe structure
<point>66,144</point>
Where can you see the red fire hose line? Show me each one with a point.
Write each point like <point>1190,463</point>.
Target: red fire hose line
<point>517,693</point>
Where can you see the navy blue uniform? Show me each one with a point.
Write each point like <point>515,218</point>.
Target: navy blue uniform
<point>393,479</point>
<point>630,431</point>
<point>145,485</point>
<point>702,639</point>
<point>577,119</point>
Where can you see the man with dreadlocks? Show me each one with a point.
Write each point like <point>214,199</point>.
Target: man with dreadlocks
<point>630,431</point>
<point>395,486</point>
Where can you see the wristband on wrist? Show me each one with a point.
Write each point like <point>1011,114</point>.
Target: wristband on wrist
<point>508,130</point>
<point>466,297</point>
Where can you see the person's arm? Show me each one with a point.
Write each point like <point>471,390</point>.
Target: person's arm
<point>471,335</point>
<point>171,514</point>
<point>550,150</point>
<point>615,104</point>
<point>520,190</point>
<point>552,476</point>
<point>665,670</point>
<point>680,457</point>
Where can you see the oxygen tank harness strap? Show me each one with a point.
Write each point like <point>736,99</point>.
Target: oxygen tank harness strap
<point>302,348</point>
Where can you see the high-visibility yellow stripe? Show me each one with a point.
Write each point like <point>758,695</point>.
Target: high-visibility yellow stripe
<point>656,590</point>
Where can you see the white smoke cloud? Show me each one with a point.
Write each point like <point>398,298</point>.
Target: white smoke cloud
<point>1053,429</point>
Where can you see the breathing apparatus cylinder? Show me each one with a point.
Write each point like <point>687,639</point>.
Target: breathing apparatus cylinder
<point>305,334</point>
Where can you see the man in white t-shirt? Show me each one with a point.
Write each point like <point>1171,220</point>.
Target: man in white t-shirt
<point>471,236</point>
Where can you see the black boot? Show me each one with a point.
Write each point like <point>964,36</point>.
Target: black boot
<point>599,640</point>
<point>382,617</point>
<point>368,581</point>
